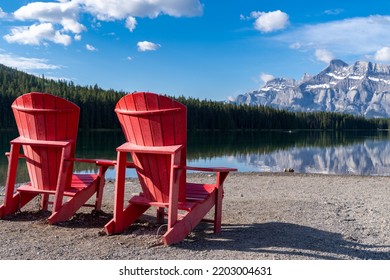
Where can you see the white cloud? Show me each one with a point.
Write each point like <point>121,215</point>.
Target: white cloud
<point>383,54</point>
<point>333,12</point>
<point>25,63</point>
<point>129,58</point>
<point>266,77</point>
<point>77,37</point>
<point>131,22</point>
<point>324,55</point>
<point>36,34</point>
<point>271,21</point>
<point>147,46</point>
<point>63,13</point>
<point>295,46</point>
<point>2,13</point>
<point>231,98</point>
<point>90,48</point>
<point>121,9</point>
<point>354,36</point>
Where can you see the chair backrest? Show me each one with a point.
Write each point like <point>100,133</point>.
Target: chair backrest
<point>42,116</point>
<point>149,119</point>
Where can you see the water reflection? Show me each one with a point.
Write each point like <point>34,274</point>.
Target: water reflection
<point>366,158</point>
<point>366,153</point>
<point>352,152</point>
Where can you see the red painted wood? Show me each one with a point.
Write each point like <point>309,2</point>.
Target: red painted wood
<point>48,127</point>
<point>155,128</point>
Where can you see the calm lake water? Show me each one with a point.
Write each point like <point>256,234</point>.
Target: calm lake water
<point>353,152</point>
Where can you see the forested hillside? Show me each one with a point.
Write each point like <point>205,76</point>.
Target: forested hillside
<point>97,108</point>
<point>97,105</point>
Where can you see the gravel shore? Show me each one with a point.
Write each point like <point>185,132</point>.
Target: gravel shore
<point>265,216</point>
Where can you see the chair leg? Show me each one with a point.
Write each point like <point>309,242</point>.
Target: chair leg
<point>15,203</point>
<point>70,207</point>
<point>100,187</point>
<point>123,217</point>
<point>11,201</point>
<point>160,215</point>
<point>184,226</point>
<point>221,176</point>
<point>45,201</point>
<point>128,216</point>
<point>218,211</point>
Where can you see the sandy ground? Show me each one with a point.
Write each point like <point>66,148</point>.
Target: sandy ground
<point>265,216</point>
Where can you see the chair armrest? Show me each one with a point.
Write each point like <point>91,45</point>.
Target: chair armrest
<point>102,162</point>
<point>23,141</point>
<point>7,154</point>
<point>129,147</point>
<point>207,169</point>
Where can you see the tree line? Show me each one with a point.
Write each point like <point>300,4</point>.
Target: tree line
<point>213,115</point>
<point>97,108</point>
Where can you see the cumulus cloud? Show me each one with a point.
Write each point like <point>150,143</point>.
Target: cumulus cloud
<point>24,63</point>
<point>324,55</point>
<point>63,13</point>
<point>2,13</point>
<point>383,54</point>
<point>90,48</point>
<point>269,21</point>
<point>147,46</point>
<point>63,16</point>
<point>122,9</point>
<point>131,22</point>
<point>354,36</point>
<point>266,77</point>
<point>37,34</point>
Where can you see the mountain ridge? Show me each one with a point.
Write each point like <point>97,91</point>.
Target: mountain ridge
<point>362,88</point>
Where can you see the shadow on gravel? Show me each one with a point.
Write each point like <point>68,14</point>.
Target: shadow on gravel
<point>287,239</point>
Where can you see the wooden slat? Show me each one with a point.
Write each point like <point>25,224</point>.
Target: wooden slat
<point>67,126</point>
<point>187,206</point>
<point>140,113</point>
<point>40,111</point>
<point>157,129</point>
<point>32,153</point>
<point>170,122</point>
<point>149,149</point>
<point>127,121</point>
<point>149,162</point>
<point>78,182</point>
<point>43,154</point>
<point>33,142</point>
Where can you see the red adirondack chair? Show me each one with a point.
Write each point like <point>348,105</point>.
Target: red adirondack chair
<point>155,127</point>
<point>48,130</point>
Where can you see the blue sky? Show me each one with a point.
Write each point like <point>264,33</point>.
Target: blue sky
<point>199,48</point>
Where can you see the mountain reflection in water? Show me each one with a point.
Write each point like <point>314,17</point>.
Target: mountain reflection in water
<point>350,152</point>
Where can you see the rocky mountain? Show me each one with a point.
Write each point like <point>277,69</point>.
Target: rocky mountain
<point>359,89</point>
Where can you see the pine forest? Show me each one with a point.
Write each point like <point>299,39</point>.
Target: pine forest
<point>97,108</point>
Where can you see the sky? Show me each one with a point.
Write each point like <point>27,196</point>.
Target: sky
<point>205,49</point>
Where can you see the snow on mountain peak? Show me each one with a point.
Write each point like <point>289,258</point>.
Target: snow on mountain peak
<point>360,89</point>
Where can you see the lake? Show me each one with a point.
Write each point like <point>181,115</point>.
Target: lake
<point>327,152</point>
